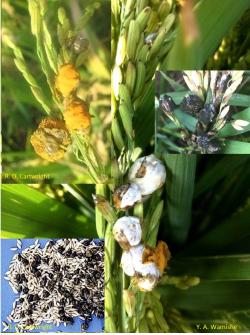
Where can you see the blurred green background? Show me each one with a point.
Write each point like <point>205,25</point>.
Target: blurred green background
<point>206,225</point>
<point>49,211</point>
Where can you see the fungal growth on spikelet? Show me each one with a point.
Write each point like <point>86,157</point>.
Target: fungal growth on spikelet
<point>143,263</point>
<point>67,79</point>
<point>51,139</point>
<point>76,115</point>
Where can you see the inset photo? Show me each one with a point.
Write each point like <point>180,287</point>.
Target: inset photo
<point>56,91</point>
<point>203,112</point>
<point>52,285</point>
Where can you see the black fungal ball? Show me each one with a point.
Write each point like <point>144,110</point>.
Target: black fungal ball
<point>46,294</point>
<point>25,290</point>
<point>192,104</point>
<point>29,311</point>
<point>25,261</point>
<point>23,278</point>
<point>33,270</point>
<point>68,254</point>
<point>207,114</point>
<point>60,249</point>
<point>62,301</point>
<point>30,322</point>
<point>86,242</point>
<point>51,243</point>
<point>84,326</point>
<point>30,297</point>
<point>56,266</point>
<point>167,104</point>
<point>38,259</point>
<point>70,320</point>
<point>18,278</point>
<point>67,294</point>
<point>61,312</point>
<point>44,281</point>
<point>36,297</point>
<point>46,260</point>
<point>38,274</point>
<point>76,280</point>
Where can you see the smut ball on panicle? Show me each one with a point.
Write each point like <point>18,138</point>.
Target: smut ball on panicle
<point>51,139</point>
<point>67,79</point>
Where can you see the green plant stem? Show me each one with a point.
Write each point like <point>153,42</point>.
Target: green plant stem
<point>99,219</point>
<point>83,149</point>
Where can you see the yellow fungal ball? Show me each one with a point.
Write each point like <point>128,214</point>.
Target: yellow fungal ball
<point>77,115</point>
<point>162,256</point>
<point>67,79</point>
<point>51,139</point>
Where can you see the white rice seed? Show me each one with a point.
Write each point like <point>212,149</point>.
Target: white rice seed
<point>19,244</point>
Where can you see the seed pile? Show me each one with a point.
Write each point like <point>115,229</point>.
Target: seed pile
<point>63,280</point>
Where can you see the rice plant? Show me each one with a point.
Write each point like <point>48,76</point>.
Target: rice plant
<point>203,112</point>
<point>67,58</point>
<point>142,34</point>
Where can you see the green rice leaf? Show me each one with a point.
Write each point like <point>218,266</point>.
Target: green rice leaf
<point>27,212</point>
<point>243,115</point>
<point>229,130</point>
<point>223,168</point>
<point>241,100</point>
<point>236,147</point>
<point>179,187</point>
<point>187,120</point>
<point>216,268</point>
<point>207,296</point>
<point>212,29</point>
<point>223,237</point>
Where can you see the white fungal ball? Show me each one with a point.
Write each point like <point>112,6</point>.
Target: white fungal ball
<point>127,231</point>
<point>132,263</point>
<point>127,196</point>
<point>127,264</point>
<point>146,283</point>
<point>144,269</point>
<point>149,173</point>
